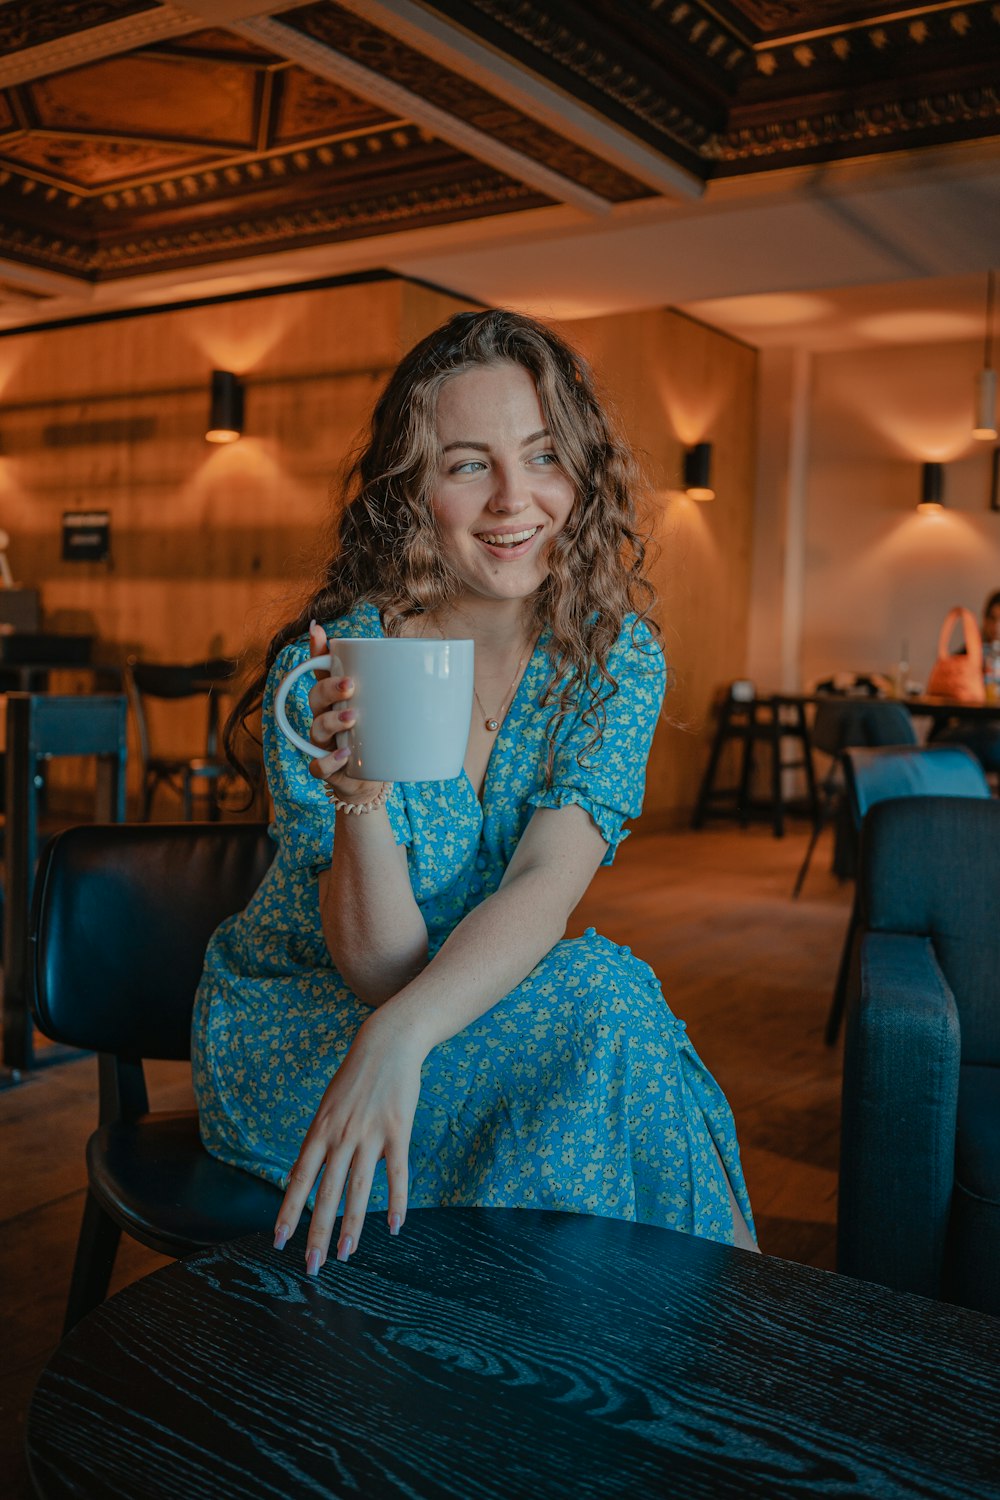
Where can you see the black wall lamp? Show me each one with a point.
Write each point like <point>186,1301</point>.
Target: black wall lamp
<point>225,423</point>
<point>931,489</point>
<point>698,472</point>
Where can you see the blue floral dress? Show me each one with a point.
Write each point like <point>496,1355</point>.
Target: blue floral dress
<point>578,1091</point>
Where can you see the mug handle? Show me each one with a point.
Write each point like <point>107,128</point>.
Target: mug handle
<point>325,663</point>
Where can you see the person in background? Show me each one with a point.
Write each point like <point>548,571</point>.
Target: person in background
<point>991,619</point>
<point>397,1018</point>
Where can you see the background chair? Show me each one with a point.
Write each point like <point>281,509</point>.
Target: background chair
<point>189,776</point>
<point>122,916</point>
<point>749,721</point>
<point>919,1205</point>
<point>839,725</point>
<point>873,776</point>
<point>982,739</point>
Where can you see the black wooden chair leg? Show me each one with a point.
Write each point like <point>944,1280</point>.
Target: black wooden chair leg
<point>95,1258</point>
<point>800,878</point>
<point>839,1000</point>
<point>777,805</point>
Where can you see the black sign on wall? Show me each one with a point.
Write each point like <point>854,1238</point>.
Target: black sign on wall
<point>86,535</point>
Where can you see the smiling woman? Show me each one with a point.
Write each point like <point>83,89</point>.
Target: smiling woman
<point>397,1017</point>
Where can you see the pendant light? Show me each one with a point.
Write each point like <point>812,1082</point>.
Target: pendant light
<point>986,380</point>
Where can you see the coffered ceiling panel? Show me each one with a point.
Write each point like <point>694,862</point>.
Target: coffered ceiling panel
<point>153,94</point>
<point>150,135</point>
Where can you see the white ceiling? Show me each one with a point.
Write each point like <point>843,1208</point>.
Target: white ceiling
<point>888,252</point>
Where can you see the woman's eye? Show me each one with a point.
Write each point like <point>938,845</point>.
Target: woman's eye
<point>544,459</point>
<point>470,466</point>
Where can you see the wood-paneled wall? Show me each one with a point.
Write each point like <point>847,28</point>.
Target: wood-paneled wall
<point>212,547</point>
<point>675,383</point>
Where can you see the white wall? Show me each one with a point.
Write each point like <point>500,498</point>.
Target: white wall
<point>873,572</point>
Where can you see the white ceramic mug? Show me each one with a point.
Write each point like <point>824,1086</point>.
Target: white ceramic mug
<point>413,705</point>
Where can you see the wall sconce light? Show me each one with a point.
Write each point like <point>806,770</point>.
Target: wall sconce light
<point>698,472</point>
<point>931,490</point>
<point>986,380</point>
<point>225,423</point>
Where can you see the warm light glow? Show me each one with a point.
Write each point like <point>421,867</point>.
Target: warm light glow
<point>700,493</point>
<point>221,435</point>
<point>763,310</point>
<point>917,326</point>
<point>930,508</point>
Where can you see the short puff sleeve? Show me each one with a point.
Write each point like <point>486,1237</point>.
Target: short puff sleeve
<point>608,780</point>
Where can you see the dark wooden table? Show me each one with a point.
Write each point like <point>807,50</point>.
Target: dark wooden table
<point>943,709</point>
<point>500,1354</point>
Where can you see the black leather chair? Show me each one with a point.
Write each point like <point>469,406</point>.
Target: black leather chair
<point>121,919</point>
<point>189,776</point>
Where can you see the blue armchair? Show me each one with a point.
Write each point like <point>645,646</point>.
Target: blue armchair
<point>873,776</point>
<point>919,1206</point>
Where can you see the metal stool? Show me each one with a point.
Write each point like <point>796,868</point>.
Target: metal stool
<point>751,721</point>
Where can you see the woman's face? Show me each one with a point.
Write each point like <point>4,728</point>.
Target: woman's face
<point>501,494</point>
<point>991,624</point>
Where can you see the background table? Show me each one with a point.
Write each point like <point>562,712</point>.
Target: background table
<point>490,1354</point>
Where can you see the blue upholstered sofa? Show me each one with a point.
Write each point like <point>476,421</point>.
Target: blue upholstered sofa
<point>919,1206</point>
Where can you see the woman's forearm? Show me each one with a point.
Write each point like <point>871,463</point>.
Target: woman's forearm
<point>373,927</point>
<point>487,955</point>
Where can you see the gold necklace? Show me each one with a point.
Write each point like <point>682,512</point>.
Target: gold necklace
<point>489,722</point>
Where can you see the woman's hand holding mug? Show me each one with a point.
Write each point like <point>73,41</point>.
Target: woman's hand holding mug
<point>390,708</point>
<point>333,718</point>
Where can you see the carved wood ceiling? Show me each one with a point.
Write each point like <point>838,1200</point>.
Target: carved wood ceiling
<point>139,136</point>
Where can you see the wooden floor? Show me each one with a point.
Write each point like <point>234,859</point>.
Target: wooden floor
<point>750,971</point>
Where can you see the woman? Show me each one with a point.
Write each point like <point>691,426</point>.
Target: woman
<point>396,1018</point>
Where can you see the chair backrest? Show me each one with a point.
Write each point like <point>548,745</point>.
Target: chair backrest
<point>875,775</point>
<point>144,679</point>
<point>931,867</point>
<point>172,680</point>
<point>844,722</point>
<point>121,918</point>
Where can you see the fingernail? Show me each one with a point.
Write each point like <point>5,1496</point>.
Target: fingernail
<point>347,716</point>
<point>345,1247</point>
<point>345,684</point>
<point>312,1263</point>
<point>281,1237</point>
<point>394,1222</point>
<point>311,624</point>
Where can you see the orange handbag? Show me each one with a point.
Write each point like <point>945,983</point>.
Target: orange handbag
<point>959,677</point>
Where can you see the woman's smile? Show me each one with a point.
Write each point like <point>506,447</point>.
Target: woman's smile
<point>502,493</point>
<point>508,544</point>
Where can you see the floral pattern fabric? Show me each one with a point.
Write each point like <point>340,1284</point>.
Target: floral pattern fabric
<point>578,1091</point>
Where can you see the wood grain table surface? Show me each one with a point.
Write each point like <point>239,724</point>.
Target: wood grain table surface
<point>505,1353</point>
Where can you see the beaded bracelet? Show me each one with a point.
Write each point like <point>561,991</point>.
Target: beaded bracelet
<point>358,807</point>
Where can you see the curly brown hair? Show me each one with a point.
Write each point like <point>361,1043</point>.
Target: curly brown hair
<point>387,550</point>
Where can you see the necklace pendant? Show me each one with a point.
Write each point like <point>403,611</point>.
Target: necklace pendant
<point>492,725</point>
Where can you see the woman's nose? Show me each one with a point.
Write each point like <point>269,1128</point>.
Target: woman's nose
<point>510,488</point>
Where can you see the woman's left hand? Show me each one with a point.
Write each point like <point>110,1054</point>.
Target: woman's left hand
<point>366,1114</point>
